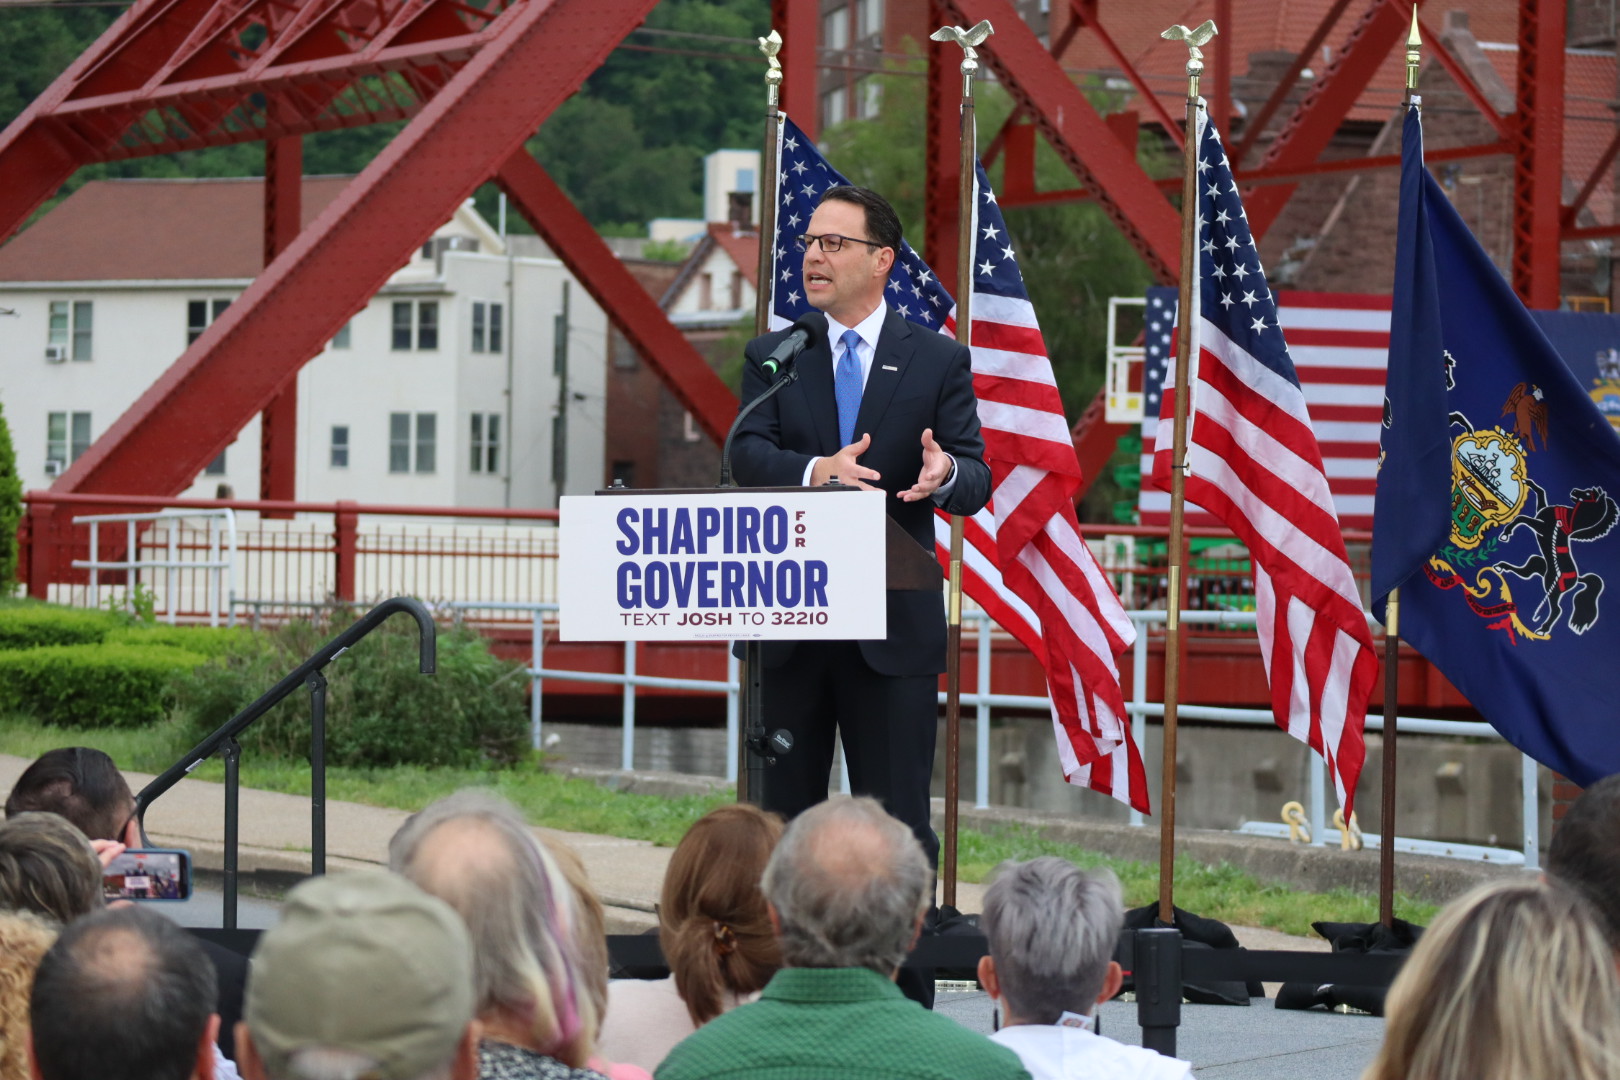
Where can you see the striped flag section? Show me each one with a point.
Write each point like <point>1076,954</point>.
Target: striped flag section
<point>1253,461</point>
<point>1024,561</point>
<point>1339,343</point>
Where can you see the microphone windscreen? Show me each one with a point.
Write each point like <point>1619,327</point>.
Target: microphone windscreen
<point>814,323</point>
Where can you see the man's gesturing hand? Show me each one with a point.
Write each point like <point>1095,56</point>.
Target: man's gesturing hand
<point>936,469</point>
<point>843,466</point>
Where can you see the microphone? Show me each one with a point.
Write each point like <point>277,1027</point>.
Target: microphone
<point>811,327</point>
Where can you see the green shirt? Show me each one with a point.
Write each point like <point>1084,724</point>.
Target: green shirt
<point>836,1024</point>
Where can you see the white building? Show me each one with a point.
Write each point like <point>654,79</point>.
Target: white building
<point>444,391</point>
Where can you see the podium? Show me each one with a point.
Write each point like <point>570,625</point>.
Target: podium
<point>749,565</point>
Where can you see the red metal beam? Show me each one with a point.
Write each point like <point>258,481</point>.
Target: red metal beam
<point>1078,133</point>
<point>1538,164</point>
<point>278,424</point>
<point>799,23</point>
<point>1313,125</point>
<point>666,350</point>
<point>1573,210</point>
<point>1255,126</point>
<point>1435,44</point>
<point>540,53</point>
<point>1085,14</point>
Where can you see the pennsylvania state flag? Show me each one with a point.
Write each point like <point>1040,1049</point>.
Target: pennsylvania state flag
<point>1495,511</point>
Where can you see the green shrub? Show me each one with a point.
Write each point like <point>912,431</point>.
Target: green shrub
<point>28,626</point>
<point>10,508</point>
<point>96,685</point>
<point>380,710</point>
<point>210,641</point>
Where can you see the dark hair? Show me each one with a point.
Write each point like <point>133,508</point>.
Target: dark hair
<point>1585,852</point>
<point>881,220</point>
<point>123,995</point>
<point>80,784</point>
<point>47,867</point>
<point>712,921</point>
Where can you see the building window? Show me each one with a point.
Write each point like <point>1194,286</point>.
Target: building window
<point>487,326</point>
<point>869,97</point>
<point>200,314</point>
<point>343,339</point>
<point>835,29</point>
<point>485,443</point>
<point>736,289</point>
<point>479,333</point>
<point>706,292</point>
<point>497,327</point>
<point>402,325</point>
<point>412,450</point>
<point>834,106</point>
<point>69,332</point>
<point>215,467</point>
<point>427,325</point>
<point>340,446</point>
<point>67,435</point>
<point>869,16</point>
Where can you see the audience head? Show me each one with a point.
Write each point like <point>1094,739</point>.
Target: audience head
<point>364,976</point>
<point>47,867</point>
<point>24,937</point>
<point>712,922</point>
<point>848,886</point>
<point>1585,852</point>
<point>476,853</point>
<point>82,785</point>
<point>1514,979</point>
<point>590,931</point>
<point>124,995</point>
<point>1052,928</point>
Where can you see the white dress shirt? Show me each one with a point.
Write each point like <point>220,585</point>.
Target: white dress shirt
<point>1051,1052</point>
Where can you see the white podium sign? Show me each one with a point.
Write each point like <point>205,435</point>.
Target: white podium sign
<point>743,564</point>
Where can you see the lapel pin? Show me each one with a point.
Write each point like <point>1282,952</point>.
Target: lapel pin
<point>890,367</point>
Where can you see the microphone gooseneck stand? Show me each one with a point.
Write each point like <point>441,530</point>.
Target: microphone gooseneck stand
<point>759,749</point>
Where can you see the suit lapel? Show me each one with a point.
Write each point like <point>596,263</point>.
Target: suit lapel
<point>816,377</point>
<point>889,362</point>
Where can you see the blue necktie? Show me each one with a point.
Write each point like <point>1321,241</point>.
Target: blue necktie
<point>847,386</point>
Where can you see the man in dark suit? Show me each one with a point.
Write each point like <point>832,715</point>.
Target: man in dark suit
<point>879,404</point>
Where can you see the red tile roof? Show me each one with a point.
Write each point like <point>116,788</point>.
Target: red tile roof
<point>133,230</point>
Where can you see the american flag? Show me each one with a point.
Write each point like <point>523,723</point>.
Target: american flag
<point>1339,343</point>
<point>1024,560</point>
<point>1253,462</point>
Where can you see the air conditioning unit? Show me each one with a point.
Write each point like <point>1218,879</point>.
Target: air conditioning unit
<point>55,354</point>
<point>54,466</point>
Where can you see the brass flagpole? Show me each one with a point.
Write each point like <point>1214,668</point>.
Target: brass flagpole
<point>968,40</point>
<point>1392,637</point>
<point>1178,469</point>
<point>748,675</point>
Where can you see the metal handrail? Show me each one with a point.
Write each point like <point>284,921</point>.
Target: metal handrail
<point>309,674</point>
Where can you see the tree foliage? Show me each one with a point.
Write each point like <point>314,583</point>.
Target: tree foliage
<point>10,507</point>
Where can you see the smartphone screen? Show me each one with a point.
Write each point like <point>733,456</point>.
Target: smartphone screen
<point>148,874</point>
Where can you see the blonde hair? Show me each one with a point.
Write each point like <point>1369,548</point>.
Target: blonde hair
<point>712,922</point>
<point>590,931</point>
<point>520,911</point>
<point>24,939</point>
<point>1514,979</point>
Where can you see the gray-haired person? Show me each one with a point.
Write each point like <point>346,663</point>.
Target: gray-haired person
<point>847,888</point>
<point>1051,929</point>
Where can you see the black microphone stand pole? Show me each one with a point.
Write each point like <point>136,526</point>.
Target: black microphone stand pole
<point>759,750</point>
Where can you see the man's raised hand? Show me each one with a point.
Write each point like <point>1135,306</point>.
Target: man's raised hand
<point>936,469</point>
<point>843,465</point>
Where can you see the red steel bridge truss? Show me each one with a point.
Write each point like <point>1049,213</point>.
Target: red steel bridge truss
<point>476,78</point>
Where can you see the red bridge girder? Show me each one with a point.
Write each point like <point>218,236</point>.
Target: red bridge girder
<point>478,81</point>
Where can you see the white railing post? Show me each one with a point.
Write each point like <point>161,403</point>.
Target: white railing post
<point>627,751</point>
<point>733,722</point>
<point>168,571</point>
<point>95,564</point>
<point>1139,658</point>
<point>1530,783</point>
<point>536,643</point>
<point>981,748</point>
<point>231,570</point>
<point>132,575</point>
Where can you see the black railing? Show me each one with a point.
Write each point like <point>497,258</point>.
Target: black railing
<point>309,674</point>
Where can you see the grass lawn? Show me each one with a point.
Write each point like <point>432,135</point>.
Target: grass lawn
<point>1220,892</point>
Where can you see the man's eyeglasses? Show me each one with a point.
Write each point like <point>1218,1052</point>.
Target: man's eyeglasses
<point>831,242</point>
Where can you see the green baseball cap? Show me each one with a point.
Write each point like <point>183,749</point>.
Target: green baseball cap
<point>363,962</point>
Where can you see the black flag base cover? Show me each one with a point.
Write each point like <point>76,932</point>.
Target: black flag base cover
<point>1366,938</point>
<point>1197,932</point>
